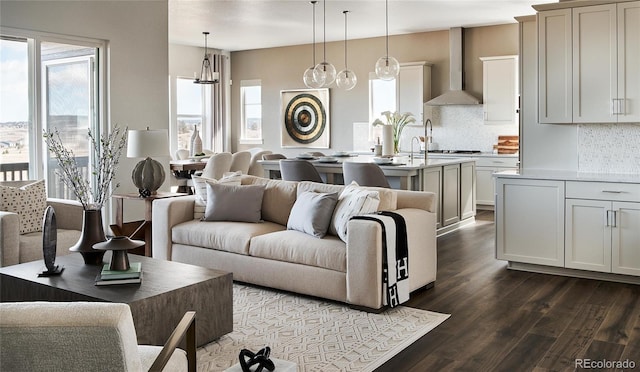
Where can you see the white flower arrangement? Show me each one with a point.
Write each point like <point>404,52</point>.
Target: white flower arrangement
<point>104,161</point>
<point>398,121</point>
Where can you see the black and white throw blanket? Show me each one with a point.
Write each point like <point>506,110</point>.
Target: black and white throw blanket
<point>395,257</point>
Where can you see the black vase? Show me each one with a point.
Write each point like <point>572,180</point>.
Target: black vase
<point>92,233</point>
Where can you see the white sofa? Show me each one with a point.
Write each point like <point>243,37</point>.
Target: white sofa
<point>268,254</point>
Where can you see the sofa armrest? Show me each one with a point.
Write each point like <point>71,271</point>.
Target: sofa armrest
<point>9,238</point>
<point>166,214</point>
<point>425,200</point>
<point>364,256</point>
<point>69,213</point>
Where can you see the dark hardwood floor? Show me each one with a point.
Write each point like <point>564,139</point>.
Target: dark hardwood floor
<point>505,320</point>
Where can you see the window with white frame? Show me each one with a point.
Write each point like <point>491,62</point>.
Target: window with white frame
<point>251,112</point>
<point>382,97</point>
<point>189,111</point>
<point>52,83</point>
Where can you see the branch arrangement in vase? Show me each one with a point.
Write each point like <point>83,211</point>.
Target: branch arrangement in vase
<point>397,121</point>
<point>105,157</point>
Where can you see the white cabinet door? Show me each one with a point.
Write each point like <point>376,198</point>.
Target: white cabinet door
<point>485,185</point>
<point>588,235</point>
<point>554,66</point>
<point>625,254</point>
<point>467,190</point>
<point>433,183</point>
<point>530,221</point>
<point>594,64</point>
<point>629,61</point>
<point>414,88</point>
<point>500,89</point>
<point>450,194</point>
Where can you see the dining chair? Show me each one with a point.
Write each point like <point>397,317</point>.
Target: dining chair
<point>299,170</point>
<point>217,165</point>
<point>182,154</point>
<point>240,161</point>
<point>365,174</point>
<point>273,157</point>
<point>255,168</point>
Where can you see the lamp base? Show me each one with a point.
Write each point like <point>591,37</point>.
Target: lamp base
<point>148,176</point>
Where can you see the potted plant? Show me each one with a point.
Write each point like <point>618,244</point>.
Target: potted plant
<point>105,157</point>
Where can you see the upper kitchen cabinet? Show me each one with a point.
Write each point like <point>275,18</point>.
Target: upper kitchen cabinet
<point>500,89</point>
<point>554,66</point>
<point>589,64</point>
<point>414,88</point>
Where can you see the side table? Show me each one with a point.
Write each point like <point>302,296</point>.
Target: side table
<point>139,226</point>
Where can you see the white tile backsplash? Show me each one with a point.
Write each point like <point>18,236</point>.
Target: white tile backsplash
<point>459,127</point>
<point>609,148</point>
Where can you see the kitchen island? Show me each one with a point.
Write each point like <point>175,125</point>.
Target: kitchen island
<point>453,180</point>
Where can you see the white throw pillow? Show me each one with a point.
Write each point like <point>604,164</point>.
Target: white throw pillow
<point>200,186</point>
<point>311,213</point>
<point>28,202</point>
<point>353,201</point>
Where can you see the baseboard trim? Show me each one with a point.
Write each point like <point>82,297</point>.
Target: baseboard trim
<point>455,226</point>
<point>573,272</point>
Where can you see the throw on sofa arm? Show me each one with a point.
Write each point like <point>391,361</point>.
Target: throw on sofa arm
<point>364,251</point>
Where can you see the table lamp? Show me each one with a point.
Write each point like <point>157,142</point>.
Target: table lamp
<point>148,175</point>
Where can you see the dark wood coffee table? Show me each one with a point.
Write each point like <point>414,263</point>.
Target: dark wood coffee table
<point>168,290</point>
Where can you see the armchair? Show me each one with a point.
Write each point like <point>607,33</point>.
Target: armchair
<point>86,336</point>
<point>17,248</point>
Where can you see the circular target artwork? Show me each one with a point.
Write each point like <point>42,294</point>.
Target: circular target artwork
<point>305,118</point>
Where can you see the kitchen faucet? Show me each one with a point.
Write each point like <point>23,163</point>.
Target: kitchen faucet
<point>427,139</point>
<point>411,153</point>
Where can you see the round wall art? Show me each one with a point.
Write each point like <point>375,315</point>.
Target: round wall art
<point>305,118</point>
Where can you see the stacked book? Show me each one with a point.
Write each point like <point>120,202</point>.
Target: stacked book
<point>131,276</point>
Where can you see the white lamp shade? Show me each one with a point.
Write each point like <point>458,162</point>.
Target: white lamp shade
<point>148,143</point>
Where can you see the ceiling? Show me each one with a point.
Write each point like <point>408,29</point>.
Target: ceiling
<point>253,24</point>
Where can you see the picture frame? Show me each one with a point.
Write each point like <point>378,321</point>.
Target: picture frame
<point>305,118</point>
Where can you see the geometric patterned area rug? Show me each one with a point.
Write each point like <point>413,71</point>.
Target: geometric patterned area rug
<point>317,335</point>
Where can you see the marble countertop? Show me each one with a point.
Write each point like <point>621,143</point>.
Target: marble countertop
<point>559,175</point>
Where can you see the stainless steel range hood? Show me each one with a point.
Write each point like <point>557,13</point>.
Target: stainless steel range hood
<point>455,96</point>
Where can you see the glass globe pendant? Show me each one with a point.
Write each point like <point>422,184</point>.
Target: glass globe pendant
<point>387,67</point>
<point>308,77</point>
<point>346,78</point>
<point>325,71</point>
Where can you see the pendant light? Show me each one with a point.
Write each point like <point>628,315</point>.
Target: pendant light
<point>387,67</point>
<point>324,71</point>
<point>346,78</point>
<point>309,77</point>
<point>207,75</point>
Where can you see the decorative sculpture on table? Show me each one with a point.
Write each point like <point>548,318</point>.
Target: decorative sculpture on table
<point>49,243</point>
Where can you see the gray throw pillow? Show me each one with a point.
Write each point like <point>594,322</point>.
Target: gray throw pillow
<point>234,203</point>
<point>311,213</point>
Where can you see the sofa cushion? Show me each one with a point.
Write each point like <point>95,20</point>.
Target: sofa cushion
<point>31,244</point>
<point>353,201</point>
<point>28,202</point>
<point>200,187</point>
<point>311,213</point>
<point>388,197</point>
<point>297,247</point>
<point>222,235</point>
<point>234,203</point>
<point>278,199</point>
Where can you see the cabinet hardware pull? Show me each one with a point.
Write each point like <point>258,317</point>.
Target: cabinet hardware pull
<point>615,219</point>
<point>613,192</point>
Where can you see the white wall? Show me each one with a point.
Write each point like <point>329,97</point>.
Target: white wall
<point>137,37</point>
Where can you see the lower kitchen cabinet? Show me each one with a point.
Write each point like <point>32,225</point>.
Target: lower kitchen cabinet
<point>433,183</point>
<point>529,217</point>
<point>603,234</point>
<point>467,190</point>
<point>571,225</point>
<point>450,194</point>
